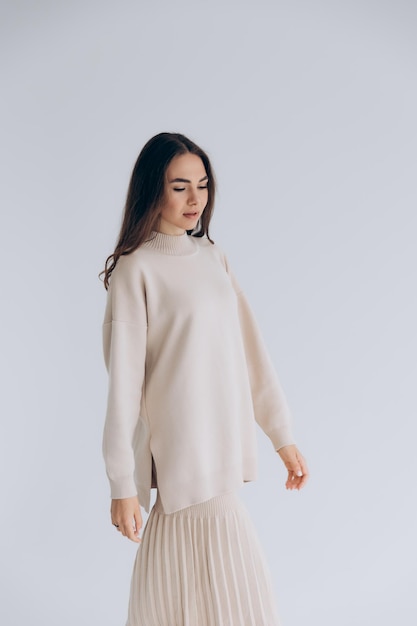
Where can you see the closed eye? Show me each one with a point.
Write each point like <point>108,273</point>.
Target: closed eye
<point>183,188</point>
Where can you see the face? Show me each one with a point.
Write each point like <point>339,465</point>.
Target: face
<point>185,194</point>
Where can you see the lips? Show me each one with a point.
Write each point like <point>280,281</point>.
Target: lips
<point>194,214</point>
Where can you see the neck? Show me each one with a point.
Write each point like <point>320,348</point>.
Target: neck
<point>166,228</point>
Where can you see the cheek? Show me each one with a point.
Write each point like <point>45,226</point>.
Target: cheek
<point>170,203</point>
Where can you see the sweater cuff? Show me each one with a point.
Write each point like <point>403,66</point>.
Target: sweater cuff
<point>122,488</point>
<point>281,437</point>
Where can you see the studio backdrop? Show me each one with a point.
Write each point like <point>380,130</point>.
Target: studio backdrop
<point>308,112</point>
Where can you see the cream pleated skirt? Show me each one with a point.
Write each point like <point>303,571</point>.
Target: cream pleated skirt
<point>201,566</point>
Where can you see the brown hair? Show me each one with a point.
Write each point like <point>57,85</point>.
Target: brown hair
<point>145,192</point>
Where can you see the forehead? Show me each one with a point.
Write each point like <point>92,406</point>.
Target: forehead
<point>186,166</point>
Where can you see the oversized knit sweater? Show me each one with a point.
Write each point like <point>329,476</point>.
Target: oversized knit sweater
<point>189,376</point>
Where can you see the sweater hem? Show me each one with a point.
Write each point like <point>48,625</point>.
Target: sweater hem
<point>179,496</point>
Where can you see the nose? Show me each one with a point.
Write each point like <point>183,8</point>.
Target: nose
<point>192,198</point>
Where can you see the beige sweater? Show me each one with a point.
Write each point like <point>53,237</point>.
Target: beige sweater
<point>188,376</point>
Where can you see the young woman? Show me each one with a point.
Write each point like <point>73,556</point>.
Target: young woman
<point>189,377</point>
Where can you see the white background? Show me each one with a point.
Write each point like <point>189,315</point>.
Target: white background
<point>308,111</point>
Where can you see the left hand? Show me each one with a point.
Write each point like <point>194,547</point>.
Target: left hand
<point>126,516</point>
<point>296,466</point>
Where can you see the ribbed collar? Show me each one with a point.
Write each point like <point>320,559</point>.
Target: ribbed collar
<point>175,245</point>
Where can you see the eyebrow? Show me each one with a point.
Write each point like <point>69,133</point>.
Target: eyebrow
<point>185,180</point>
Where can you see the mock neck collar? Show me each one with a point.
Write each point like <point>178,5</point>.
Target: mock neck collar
<point>175,245</point>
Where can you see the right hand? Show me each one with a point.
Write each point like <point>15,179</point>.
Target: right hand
<point>126,516</point>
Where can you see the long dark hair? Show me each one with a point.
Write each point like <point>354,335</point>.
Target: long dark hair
<point>145,193</point>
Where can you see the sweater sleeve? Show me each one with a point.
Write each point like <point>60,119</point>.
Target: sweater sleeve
<point>271,409</point>
<point>124,346</point>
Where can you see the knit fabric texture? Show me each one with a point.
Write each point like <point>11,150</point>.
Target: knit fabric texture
<point>189,376</point>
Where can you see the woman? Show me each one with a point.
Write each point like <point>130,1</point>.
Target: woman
<point>189,377</point>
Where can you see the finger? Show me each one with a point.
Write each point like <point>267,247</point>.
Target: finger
<point>293,478</point>
<point>303,480</point>
<point>130,533</point>
<point>290,480</point>
<point>123,530</point>
<point>294,465</point>
<point>299,471</point>
<point>294,481</point>
<point>304,470</point>
<point>300,481</point>
<point>138,523</point>
<point>127,529</point>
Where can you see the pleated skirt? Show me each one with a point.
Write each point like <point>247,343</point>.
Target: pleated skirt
<point>201,566</point>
